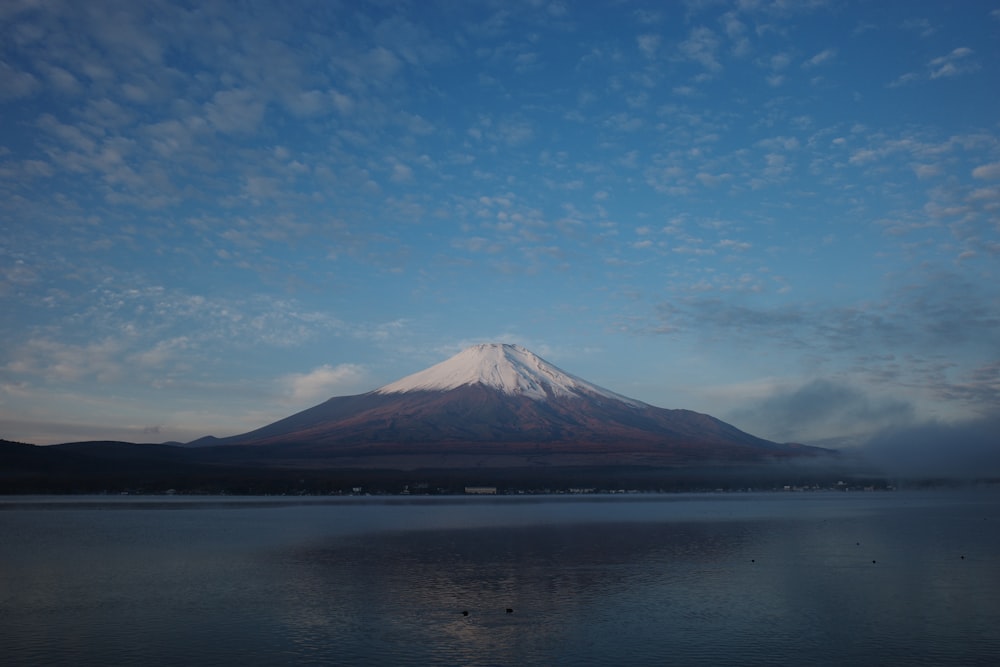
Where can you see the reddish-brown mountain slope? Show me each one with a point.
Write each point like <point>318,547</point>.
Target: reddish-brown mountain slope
<point>503,401</point>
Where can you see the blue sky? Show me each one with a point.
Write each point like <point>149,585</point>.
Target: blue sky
<point>214,214</point>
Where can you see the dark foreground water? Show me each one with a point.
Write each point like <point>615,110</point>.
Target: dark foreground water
<point>750,579</point>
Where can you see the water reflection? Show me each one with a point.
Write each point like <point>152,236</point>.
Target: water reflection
<point>563,583</point>
<point>690,580</point>
<point>710,592</point>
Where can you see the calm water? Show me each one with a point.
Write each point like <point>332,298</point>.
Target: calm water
<point>865,578</point>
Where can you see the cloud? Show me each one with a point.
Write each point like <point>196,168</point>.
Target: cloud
<point>920,26</point>
<point>321,382</point>
<point>516,131</point>
<point>964,449</point>
<point>648,45</point>
<point>736,30</point>
<point>942,309</point>
<point>702,46</point>
<point>955,63</point>
<point>733,244</point>
<point>895,344</point>
<point>904,79</point>
<point>820,58</point>
<point>88,420</point>
<point>50,432</point>
<point>162,352</point>
<point>148,336</point>
<point>414,44</point>
<point>401,173</point>
<point>814,410</point>
<point>477,244</point>
<point>16,84</point>
<point>979,387</point>
<point>987,172</point>
<point>235,111</point>
<point>56,361</point>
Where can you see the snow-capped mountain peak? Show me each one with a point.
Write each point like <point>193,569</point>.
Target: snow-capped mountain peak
<point>511,369</point>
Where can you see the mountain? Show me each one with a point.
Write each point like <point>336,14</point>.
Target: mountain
<point>492,415</point>
<point>498,405</point>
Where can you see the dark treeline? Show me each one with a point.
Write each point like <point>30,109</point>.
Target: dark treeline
<point>380,481</point>
<point>110,467</point>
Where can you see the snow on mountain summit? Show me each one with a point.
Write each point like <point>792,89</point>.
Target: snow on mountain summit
<point>511,369</point>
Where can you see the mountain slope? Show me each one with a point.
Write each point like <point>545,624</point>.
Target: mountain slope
<point>502,400</point>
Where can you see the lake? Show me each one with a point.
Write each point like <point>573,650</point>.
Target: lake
<point>887,578</point>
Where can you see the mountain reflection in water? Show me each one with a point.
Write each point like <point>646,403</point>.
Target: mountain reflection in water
<point>559,580</point>
<point>730,579</point>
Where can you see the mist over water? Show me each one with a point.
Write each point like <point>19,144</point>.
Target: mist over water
<point>963,450</point>
<point>824,578</point>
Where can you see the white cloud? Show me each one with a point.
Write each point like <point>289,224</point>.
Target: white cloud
<point>54,361</point>
<point>711,180</point>
<point>733,244</point>
<point>15,84</point>
<point>988,172</point>
<point>955,63</point>
<point>736,30</point>
<point>516,131</point>
<point>308,102</point>
<point>62,80</point>
<point>648,45</point>
<point>702,47</point>
<point>924,171</point>
<point>235,111</point>
<point>820,58</point>
<point>162,352</point>
<point>780,61</point>
<point>920,26</point>
<point>343,103</point>
<point>904,79</point>
<point>322,382</point>
<point>477,244</point>
<point>863,156</point>
<point>401,173</point>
